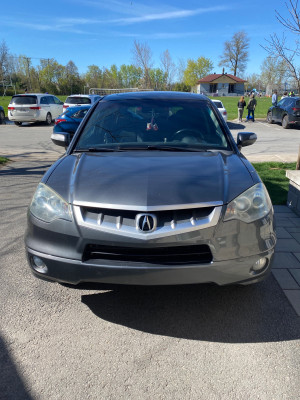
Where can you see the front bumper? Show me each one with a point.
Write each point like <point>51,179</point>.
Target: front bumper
<point>219,272</point>
<point>235,248</point>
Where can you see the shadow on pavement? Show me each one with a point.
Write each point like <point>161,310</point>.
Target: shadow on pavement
<point>9,169</point>
<point>235,125</point>
<point>231,314</point>
<point>12,386</point>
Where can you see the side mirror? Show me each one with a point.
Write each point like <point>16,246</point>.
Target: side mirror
<point>245,139</point>
<point>61,139</point>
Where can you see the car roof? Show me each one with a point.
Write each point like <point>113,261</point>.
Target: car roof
<point>33,94</point>
<point>84,95</point>
<point>155,95</point>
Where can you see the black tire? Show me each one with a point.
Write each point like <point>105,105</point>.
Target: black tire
<point>2,117</point>
<point>18,123</point>
<point>285,122</point>
<point>269,118</point>
<point>48,119</point>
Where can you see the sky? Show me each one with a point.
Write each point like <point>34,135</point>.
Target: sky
<point>103,32</point>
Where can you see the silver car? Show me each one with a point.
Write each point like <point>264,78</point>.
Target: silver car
<point>33,107</point>
<point>81,100</point>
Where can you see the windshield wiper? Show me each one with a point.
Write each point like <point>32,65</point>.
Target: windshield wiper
<point>138,148</point>
<point>159,148</point>
<point>96,149</point>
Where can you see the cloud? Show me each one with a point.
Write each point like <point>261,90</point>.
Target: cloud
<point>43,27</point>
<point>177,14</point>
<point>160,35</point>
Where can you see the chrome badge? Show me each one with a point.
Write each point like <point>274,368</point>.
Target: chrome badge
<point>146,223</point>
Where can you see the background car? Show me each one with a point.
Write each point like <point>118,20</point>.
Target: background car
<point>287,112</point>
<point>81,100</point>
<point>152,190</point>
<point>2,115</point>
<point>70,119</point>
<point>33,107</point>
<point>221,108</point>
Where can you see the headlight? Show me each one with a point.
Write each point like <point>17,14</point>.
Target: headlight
<point>47,205</point>
<point>251,205</point>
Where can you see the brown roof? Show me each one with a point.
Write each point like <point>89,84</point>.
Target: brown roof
<point>213,77</point>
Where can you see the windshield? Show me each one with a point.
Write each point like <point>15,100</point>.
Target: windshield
<point>218,104</point>
<point>148,122</point>
<point>78,100</point>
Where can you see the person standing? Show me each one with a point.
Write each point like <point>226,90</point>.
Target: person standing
<point>285,94</point>
<point>274,98</point>
<point>251,107</point>
<point>241,104</point>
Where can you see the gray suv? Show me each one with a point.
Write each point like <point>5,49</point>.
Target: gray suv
<point>152,190</point>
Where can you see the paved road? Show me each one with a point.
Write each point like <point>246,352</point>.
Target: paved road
<point>196,342</point>
<point>273,142</point>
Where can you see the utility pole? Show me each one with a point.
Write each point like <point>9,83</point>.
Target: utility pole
<point>28,71</point>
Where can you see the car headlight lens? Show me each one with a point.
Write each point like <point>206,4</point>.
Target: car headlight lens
<point>251,205</point>
<point>47,205</point>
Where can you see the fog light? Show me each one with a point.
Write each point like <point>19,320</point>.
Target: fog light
<point>260,264</point>
<point>39,265</point>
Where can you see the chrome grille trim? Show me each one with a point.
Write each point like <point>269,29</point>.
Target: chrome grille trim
<point>147,208</point>
<point>175,227</point>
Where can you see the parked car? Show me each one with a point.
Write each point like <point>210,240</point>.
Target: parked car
<point>70,119</point>
<point>33,107</point>
<point>287,112</point>
<point>152,190</point>
<point>81,100</point>
<point>2,115</point>
<point>221,108</point>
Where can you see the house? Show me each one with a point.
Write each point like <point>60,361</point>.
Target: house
<point>221,85</point>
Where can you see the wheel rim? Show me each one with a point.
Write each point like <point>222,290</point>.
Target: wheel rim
<point>269,117</point>
<point>49,119</point>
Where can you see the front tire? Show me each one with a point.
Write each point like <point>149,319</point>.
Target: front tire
<point>269,118</point>
<point>285,122</point>
<point>18,123</point>
<point>49,119</point>
<point>2,117</point>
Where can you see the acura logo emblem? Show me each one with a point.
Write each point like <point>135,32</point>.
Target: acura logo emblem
<point>146,223</point>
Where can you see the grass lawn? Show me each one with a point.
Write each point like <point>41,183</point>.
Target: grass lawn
<point>3,160</point>
<point>230,103</point>
<point>273,176</point>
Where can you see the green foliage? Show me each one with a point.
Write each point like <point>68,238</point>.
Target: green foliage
<point>273,176</point>
<point>196,69</point>
<point>3,160</point>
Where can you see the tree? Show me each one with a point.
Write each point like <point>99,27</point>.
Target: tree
<point>235,55</point>
<point>94,77</point>
<point>196,69</point>
<point>130,76</point>
<point>273,74</point>
<point>158,78</point>
<point>142,56</point>
<point>168,67</point>
<point>279,47</point>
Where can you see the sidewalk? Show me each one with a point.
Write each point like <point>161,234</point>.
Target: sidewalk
<point>286,265</point>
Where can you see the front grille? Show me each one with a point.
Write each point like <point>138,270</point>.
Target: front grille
<point>157,255</point>
<point>127,218</point>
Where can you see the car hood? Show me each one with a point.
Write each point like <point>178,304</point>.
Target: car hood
<point>148,179</point>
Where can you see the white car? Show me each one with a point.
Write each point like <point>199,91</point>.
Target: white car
<point>33,107</point>
<point>221,108</point>
<point>81,100</point>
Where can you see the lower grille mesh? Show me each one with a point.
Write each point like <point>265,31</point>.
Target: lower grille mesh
<point>158,255</point>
